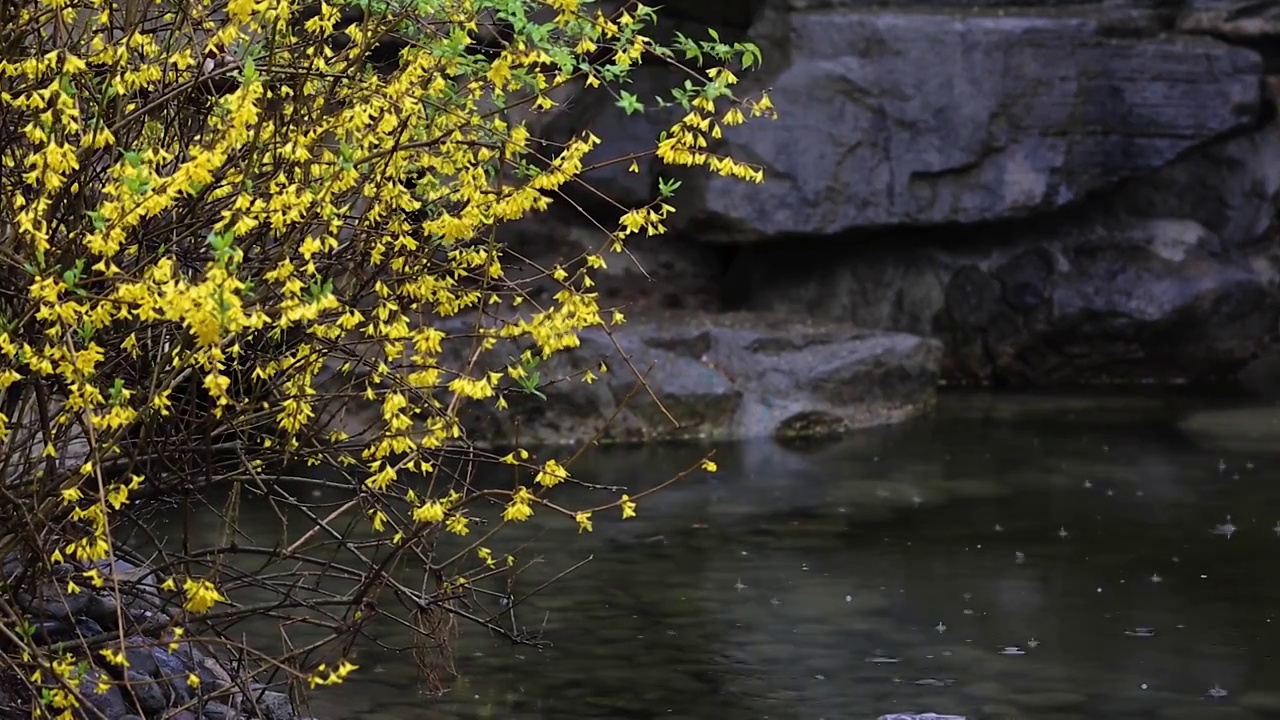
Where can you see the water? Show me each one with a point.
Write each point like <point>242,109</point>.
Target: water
<point>1012,558</point>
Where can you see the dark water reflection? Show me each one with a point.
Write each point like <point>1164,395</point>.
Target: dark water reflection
<point>887,572</point>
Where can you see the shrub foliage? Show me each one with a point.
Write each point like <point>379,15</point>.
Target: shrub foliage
<point>221,223</point>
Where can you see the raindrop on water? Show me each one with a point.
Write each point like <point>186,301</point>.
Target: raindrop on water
<point>1227,529</point>
<point>1062,533</point>
<point>1217,691</point>
<point>940,627</point>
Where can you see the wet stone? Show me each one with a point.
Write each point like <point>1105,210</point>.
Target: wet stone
<point>170,668</point>
<point>270,705</point>
<point>147,693</point>
<point>110,703</point>
<point>219,711</point>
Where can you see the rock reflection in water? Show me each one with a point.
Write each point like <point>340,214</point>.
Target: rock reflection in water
<point>898,571</point>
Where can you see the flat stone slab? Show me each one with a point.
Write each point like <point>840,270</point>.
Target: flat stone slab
<point>722,377</point>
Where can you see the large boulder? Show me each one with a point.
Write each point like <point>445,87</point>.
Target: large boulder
<point>1062,191</point>
<point>892,119</point>
<point>1168,278</point>
<point>718,377</point>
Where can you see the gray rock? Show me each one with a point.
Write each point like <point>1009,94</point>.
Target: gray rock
<point>110,703</point>
<point>139,591</point>
<point>51,602</point>
<point>1240,20</point>
<point>174,671</point>
<point>729,376</point>
<point>219,711</point>
<point>1115,299</point>
<point>270,705</point>
<point>959,117</point>
<point>148,694</point>
<point>212,675</point>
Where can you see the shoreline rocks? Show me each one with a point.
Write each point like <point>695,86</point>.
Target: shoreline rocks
<point>1061,192</point>
<point>719,377</point>
<point>156,681</point>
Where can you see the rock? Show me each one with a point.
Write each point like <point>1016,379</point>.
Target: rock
<point>139,588</point>
<point>147,693</point>
<point>1066,193</point>
<point>727,376</point>
<point>270,705</point>
<point>212,675</point>
<point>911,119</point>
<point>173,671</point>
<point>111,703</point>
<point>661,272</point>
<point>52,602</point>
<point>1237,20</point>
<point>1125,299</point>
<point>219,711</point>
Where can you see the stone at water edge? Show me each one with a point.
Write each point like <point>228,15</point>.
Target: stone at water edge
<point>726,376</point>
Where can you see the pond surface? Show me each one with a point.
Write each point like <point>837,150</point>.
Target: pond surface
<point>1043,558</point>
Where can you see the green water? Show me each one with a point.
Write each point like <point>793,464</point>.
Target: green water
<point>887,573</point>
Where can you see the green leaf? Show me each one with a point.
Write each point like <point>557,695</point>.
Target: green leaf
<point>629,103</point>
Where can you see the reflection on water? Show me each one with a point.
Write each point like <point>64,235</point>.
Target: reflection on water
<point>1005,559</point>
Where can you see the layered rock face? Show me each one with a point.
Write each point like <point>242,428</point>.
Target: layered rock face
<point>1060,192</point>
<point>717,377</point>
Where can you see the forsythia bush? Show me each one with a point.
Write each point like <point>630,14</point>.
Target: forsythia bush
<point>220,222</point>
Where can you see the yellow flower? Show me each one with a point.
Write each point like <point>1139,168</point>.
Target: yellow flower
<point>201,595</point>
<point>429,512</point>
<point>584,521</point>
<point>628,507</point>
<point>517,511</point>
<point>551,474</point>
<point>457,524</point>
